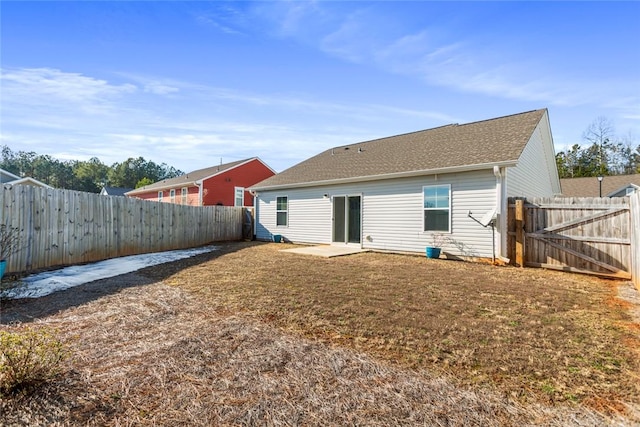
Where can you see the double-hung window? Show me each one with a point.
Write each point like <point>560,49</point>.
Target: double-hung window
<point>239,197</point>
<point>282,210</point>
<point>160,196</point>
<point>437,208</point>
<point>183,195</point>
<point>172,195</point>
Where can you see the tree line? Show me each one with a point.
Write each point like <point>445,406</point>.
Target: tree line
<point>90,175</point>
<point>604,153</point>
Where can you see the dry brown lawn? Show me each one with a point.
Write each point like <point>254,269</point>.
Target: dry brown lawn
<point>249,335</point>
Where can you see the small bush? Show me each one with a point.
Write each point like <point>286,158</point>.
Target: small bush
<point>28,358</point>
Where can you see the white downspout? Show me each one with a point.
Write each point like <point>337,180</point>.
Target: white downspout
<point>501,212</point>
<point>199,184</point>
<point>255,212</point>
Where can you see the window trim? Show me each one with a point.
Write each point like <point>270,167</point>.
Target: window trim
<point>184,192</point>
<point>160,195</point>
<point>235,196</point>
<point>449,209</point>
<point>172,195</point>
<point>286,211</point>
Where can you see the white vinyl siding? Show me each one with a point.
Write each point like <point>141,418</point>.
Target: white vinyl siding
<point>309,216</point>
<point>536,169</point>
<point>392,213</point>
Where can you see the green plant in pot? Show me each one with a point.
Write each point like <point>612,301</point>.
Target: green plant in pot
<point>434,248</point>
<point>9,239</point>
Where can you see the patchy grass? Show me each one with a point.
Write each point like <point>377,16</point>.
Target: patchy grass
<point>533,333</point>
<point>253,336</point>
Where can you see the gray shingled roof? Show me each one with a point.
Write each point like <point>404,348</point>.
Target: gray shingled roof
<point>493,141</point>
<point>116,191</point>
<point>187,179</point>
<point>590,187</point>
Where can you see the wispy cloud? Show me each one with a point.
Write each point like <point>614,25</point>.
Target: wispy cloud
<point>211,21</point>
<point>159,88</point>
<point>177,122</point>
<point>366,34</point>
<point>45,84</point>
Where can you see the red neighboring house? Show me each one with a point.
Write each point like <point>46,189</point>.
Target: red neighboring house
<point>225,185</point>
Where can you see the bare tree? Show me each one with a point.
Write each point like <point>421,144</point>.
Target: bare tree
<point>600,134</point>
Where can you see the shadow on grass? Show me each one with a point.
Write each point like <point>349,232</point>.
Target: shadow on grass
<point>26,310</point>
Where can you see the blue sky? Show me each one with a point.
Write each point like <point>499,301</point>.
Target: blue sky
<point>190,83</point>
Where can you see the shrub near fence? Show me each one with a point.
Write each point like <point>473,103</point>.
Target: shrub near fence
<point>62,227</point>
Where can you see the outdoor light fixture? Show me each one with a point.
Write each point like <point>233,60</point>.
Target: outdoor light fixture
<point>600,178</point>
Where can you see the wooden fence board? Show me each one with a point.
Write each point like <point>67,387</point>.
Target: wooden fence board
<point>62,227</point>
<point>635,238</point>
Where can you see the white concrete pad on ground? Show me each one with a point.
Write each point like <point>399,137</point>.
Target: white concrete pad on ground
<point>327,251</point>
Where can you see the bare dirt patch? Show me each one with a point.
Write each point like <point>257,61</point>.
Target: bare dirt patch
<point>253,336</point>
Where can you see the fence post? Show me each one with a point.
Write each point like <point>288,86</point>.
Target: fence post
<point>520,232</point>
<point>634,211</point>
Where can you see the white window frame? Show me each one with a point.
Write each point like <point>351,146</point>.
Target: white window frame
<point>235,196</point>
<point>437,208</point>
<point>172,195</point>
<point>629,191</point>
<point>286,211</point>
<point>160,195</point>
<point>184,193</point>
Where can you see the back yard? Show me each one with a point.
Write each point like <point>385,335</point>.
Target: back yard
<point>248,335</point>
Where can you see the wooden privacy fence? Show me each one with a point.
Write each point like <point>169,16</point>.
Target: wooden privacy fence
<point>586,235</point>
<point>635,238</point>
<point>62,227</point>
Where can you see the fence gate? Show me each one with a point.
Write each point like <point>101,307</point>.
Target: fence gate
<point>584,235</point>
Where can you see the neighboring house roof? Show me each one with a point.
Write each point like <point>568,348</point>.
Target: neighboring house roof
<point>192,178</point>
<point>590,187</point>
<point>6,176</point>
<point>29,181</point>
<point>455,147</point>
<point>114,191</point>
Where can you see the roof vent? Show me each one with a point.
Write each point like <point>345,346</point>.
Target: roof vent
<point>359,149</point>
<point>346,148</point>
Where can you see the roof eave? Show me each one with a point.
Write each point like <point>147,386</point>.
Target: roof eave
<point>451,169</point>
<point>143,190</point>
<point>9,174</point>
<point>198,181</point>
<point>624,187</point>
<point>28,179</point>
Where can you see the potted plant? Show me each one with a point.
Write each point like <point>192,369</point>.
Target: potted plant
<point>9,238</point>
<point>433,250</point>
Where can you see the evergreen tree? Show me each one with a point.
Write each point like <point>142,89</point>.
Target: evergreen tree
<point>90,175</point>
<point>604,154</point>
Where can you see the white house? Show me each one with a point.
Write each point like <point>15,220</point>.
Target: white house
<point>7,177</point>
<point>396,193</point>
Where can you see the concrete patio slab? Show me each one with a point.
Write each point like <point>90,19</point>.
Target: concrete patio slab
<point>327,251</point>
